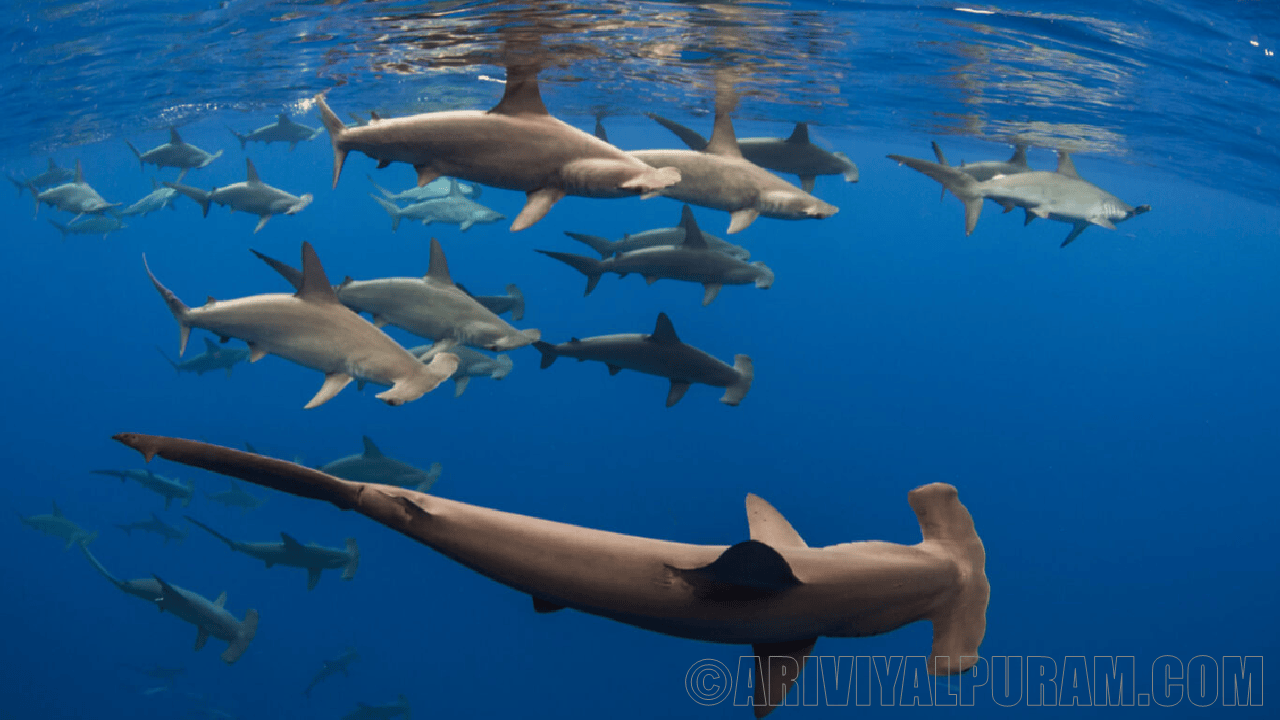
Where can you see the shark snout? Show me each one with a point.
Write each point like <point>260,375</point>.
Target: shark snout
<point>821,210</point>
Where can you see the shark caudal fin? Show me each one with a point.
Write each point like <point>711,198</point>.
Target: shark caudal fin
<point>424,380</point>
<point>353,559</point>
<point>960,623</point>
<point>385,192</point>
<point>248,628</point>
<point>335,128</point>
<point>588,266</point>
<point>604,246</point>
<point>392,209</point>
<point>176,307</point>
<point>200,196</point>
<point>548,351</point>
<point>517,302</point>
<point>61,228</point>
<point>244,141</point>
<point>738,390</point>
<point>958,183</point>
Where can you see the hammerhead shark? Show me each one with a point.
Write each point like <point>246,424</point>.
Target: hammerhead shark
<point>312,558</point>
<point>773,591</point>
<point>282,130</point>
<point>53,175</point>
<point>157,526</point>
<point>210,618</point>
<point>158,199</point>
<point>1061,195</point>
<point>438,188</point>
<point>431,307</point>
<point>169,488</point>
<point>251,196</point>
<point>90,225</point>
<point>236,497</point>
<point>365,711</point>
<point>692,260</point>
<point>76,196</point>
<point>57,525</point>
<point>654,238</point>
<point>453,208</point>
<point>331,668</point>
<point>214,357</point>
<point>371,466</point>
<point>314,329</point>
<point>176,154</point>
<point>471,363</point>
<point>662,354</point>
<point>517,145</point>
<point>792,155</point>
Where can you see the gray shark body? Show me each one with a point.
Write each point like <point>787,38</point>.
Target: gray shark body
<point>169,488</point>
<point>655,238</point>
<point>210,617</point>
<point>282,130</point>
<point>57,525</point>
<point>719,177</point>
<point>236,497</point>
<point>431,307</point>
<point>792,155</point>
<point>74,197</point>
<point>517,145</point>
<point>773,592</point>
<point>471,363</point>
<point>1061,195</point>
<point>313,329</point>
<point>662,354</point>
<point>158,199</point>
<point>332,667</point>
<point>692,260</point>
<point>454,208</point>
<point>53,175</point>
<point>175,154</point>
<point>438,188</point>
<point>987,169</point>
<point>90,225</point>
<point>214,357</point>
<point>512,302</point>
<point>157,526</point>
<point>291,553</point>
<point>251,196</point>
<point>380,712</point>
<point>371,466</point>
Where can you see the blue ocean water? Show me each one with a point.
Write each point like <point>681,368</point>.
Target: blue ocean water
<point>1108,411</point>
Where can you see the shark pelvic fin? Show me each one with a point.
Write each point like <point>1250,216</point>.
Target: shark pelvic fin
<point>543,607</point>
<point>333,384</point>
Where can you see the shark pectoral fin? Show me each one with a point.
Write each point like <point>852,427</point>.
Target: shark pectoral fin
<point>677,391</point>
<point>202,637</point>
<point>333,384</point>
<point>261,221</point>
<point>778,665</point>
<point>972,211</point>
<point>313,577</point>
<point>1030,216</point>
<point>651,279</point>
<point>748,570</point>
<point>768,526</point>
<point>1075,233</point>
<point>807,183</point>
<point>1008,206</point>
<point>1103,222</point>
<point>543,607</point>
<point>425,174</point>
<point>536,205</point>
<point>222,600</point>
<point>256,353</point>
<point>460,385</point>
<point>712,290</point>
<point>739,220</point>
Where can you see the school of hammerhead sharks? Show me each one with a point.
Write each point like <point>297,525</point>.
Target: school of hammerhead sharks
<point>772,591</point>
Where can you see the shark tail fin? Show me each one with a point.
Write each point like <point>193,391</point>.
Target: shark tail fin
<point>136,154</point>
<point>169,360</point>
<point>548,351</point>
<point>353,559</point>
<point>959,625</point>
<point>176,306</point>
<point>244,141</point>
<point>84,541</point>
<point>335,128</point>
<point>604,246</point>
<point>392,209</point>
<point>426,379</point>
<point>504,367</point>
<point>61,228</point>
<point>958,183</point>
<point>200,196</point>
<point>583,264</point>
<point>128,531</point>
<point>746,373</point>
<point>517,302</point>
<point>248,628</point>
<point>385,192</point>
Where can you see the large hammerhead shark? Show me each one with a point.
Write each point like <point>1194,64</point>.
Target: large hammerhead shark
<point>773,591</point>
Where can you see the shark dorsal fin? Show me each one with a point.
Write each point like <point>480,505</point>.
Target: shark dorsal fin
<point>250,172</point>
<point>747,570</point>
<point>52,164</point>
<point>455,190</point>
<point>174,137</point>
<point>1066,167</point>
<point>521,96</point>
<point>315,285</point>
<point>438,267</point>
<point>283,119</point>
<point>1019,156</point>
<point>222,600</point>
<point>800,136</point>
<point>79,172</point>
<point>663,331</point>
<point>154,185</point>
<point>768,526</point>
<point>210,346</point>
<point>156,517</point>
<point>692,234</point>
<point>290,541</point>
<point>371,450</point>
<point>723,142</point>
<point>57,511</point>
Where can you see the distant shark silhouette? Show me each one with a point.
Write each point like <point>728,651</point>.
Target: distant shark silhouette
<point>57,525</point>
<point>176,154</point>
<point>282,130</point>
<point>331,668</point>
<point>312,558</point>
<point>236,497</point>
<point>773,591</point>
<point>157,526</point>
